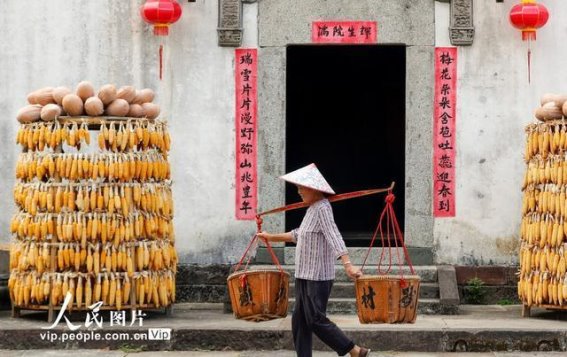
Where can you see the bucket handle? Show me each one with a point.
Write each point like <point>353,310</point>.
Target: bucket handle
<point>270,250</point>
<point>391,226</point>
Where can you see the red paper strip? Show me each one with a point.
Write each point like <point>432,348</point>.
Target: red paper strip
<point>444,132</point>
<point>344,32</point>
<point>246,68</point>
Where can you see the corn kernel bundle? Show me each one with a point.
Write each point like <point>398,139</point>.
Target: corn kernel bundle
<point>151,289</point>
<point>123,198</point>
<point>97,225</point>
<point>138,134</point>
<point>38,136</point>
<point>101,167</point>
<point>543,231</point>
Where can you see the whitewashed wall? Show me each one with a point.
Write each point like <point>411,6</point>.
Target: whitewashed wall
<point>61,42</point>
<point>495,102</point>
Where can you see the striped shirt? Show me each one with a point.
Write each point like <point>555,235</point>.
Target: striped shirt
<point>319,243</point>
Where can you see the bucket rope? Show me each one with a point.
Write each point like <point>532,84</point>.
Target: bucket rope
<point>388,216</point>
<point>254,239</point>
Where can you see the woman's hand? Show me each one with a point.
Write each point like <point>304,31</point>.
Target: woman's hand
<point>352,271</point>
<point>265,236</point>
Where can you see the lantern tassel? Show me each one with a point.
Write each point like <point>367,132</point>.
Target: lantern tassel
<point>529,63</point>
<point>160,62</point>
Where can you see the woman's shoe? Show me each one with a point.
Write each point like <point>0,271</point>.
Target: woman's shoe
<point>364,352</point>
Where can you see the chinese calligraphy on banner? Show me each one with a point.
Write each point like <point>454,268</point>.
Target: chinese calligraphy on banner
<point>444,130</point>
<point>344,31</point>
<point>246,61</point>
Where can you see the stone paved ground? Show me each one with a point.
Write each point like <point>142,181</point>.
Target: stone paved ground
<point>484,328</point>
<point>279,353</point>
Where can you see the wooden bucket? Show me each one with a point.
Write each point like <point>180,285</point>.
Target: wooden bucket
<point>381,299</point>
<point>259,295</point>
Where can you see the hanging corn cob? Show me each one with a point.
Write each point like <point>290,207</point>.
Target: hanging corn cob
<point>543,230</point>
<point>97,225</point>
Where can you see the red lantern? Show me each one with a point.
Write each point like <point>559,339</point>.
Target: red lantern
<point>528,16</point>
<point>161,13</point>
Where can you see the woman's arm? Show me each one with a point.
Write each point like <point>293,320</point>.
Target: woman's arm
<point>352,271</point>
<point>278,237</point>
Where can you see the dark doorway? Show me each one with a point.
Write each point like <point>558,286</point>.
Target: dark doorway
<point>345,111</point>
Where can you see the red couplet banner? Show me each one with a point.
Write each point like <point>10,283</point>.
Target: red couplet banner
<point>444,132</point>
<point>344,32</point>
<point>246,66</point>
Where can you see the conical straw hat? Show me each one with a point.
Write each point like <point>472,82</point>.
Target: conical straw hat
<point>309,176</point>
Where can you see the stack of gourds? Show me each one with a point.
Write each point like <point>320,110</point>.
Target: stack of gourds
<point>96,224</point>
<point>48,103</point>
<point>553,107</point>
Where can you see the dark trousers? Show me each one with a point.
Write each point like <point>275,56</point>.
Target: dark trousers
<point>309,316</point>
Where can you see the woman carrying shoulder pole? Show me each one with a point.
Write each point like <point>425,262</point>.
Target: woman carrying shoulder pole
<point>319,244</point>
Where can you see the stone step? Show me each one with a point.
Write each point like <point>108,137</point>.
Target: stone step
<point>218,293</point>
<point>347,306</point>
<point>427,273</point>
<point>201,293</point>
<point>346,290</point>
